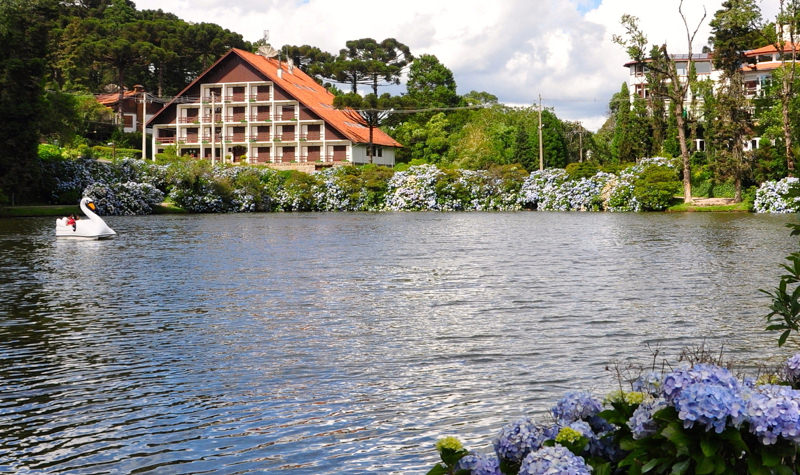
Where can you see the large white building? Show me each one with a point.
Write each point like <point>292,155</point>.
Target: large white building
<point>757,73</point>
<point>255,109</point>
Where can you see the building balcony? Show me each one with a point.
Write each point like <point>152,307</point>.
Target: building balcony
<point>260,118</point>
<point>235,139</point>
<point>165,140</point>
<point>189,120</point>
<point>235,98</point>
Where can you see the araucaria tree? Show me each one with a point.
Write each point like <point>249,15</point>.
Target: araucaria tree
<point>679,82</point>
<point>366,61</point>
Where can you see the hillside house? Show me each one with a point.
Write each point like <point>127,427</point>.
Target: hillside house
<point>130,107</point>
<point>249,108</point>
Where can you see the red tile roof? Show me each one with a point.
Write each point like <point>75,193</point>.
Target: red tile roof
<point>762,66</point>
<point>112,97</point>
<point>307,92</point>
<point>769,49</point>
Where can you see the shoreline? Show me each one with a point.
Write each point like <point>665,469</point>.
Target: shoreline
<point>702,205</point>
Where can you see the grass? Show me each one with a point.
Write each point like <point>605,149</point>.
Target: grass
<point>742,207</point>
<point>38,211</point>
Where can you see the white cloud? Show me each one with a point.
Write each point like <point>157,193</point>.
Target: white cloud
<point>514,49</point>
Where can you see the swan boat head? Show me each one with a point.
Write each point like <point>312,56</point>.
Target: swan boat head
<point>92,228</point>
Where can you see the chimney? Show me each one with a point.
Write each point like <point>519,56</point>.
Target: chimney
<point>280,73</point>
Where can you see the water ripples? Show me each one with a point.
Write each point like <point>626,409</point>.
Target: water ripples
<point>328,343</point>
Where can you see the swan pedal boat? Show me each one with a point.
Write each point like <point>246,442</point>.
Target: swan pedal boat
<point>92,228</point>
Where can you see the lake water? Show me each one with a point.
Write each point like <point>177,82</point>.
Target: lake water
<point>349,343</point>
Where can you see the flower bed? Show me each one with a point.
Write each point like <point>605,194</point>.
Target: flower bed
<point>698,419</point>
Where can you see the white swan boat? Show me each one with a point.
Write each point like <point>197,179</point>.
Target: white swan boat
<point>92,228</point>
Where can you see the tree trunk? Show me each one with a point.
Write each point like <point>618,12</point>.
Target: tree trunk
<point>687,172</point>
<point>737,195</point>
<point>787,127</point>
<point>370,147</point>
<point>121,96</point>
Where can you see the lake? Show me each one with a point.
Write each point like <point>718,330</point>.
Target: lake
<point>349,343</point>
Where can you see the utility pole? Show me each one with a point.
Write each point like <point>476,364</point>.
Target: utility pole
<point>144,129</point>
<point>213,135</point>
<point>580,142</point>
<point>541,147</point>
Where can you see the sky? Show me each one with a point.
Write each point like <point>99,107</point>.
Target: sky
<point>514,49</point>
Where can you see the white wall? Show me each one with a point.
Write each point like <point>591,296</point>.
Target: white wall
<point>360,155</point>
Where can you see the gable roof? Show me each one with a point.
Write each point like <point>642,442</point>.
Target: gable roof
<point>306,91</point>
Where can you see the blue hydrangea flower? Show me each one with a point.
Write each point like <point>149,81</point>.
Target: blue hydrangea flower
<point>575,406</point>
<point>675,382</point>
<point>649,383</point>
<point>792,368</point>
<point>518,439</point>
<point>553,460</point>
<point>710,405</point>
<point>479,464</point>
<point>641,422</point>
<point>774,411</point>
<point>777,196</point>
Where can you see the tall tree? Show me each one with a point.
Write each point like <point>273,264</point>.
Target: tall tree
<point>24,28</point>
<point>431,84</point>
<point>733,32</point>
<point>622,141</point>
<point>365,61</point>
<point>786,46</point>
<point>679,84</point>
<point>310,59</point>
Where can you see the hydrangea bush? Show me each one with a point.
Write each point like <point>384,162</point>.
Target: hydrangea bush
<point>199,187</point>
<point>782,196</point>
<point>699,419</point>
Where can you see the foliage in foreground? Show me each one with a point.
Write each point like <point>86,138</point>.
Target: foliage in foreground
<point>699,419</point>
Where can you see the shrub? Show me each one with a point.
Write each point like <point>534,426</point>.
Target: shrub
<point>578,170</point>
<point>655,187</point>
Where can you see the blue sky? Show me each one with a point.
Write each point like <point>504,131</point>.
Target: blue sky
<point>514,49</point>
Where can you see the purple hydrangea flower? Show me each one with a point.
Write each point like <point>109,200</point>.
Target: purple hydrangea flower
<point>774,411</point>
<point>575,406</point>
<point>553,460</point>
<point>710,405</point>
<point>518,439</point>
<point>641,422</point>
<point>478,464</point>
<point>792,368</point>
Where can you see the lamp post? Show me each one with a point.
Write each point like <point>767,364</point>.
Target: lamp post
<point>113,146</point>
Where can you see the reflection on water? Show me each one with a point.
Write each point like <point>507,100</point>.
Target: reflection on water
<point>348,342</point>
